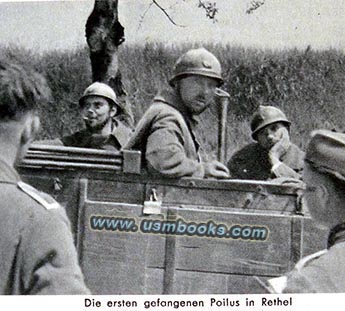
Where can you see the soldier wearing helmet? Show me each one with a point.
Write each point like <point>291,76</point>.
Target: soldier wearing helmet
<point>272,155</point>
<point>99,109</point>
<point>324,175</point>
<point>165,134</point>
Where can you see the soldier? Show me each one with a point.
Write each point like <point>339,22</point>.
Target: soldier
<point>272,155</point>
<point>37,253</point>
<point>324,174</point>
<point>99,108</point>
<point>165,134</point>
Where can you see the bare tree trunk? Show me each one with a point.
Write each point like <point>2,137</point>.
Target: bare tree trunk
<point>104,34</point>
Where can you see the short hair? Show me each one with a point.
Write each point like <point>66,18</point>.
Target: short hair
<point>22,88</point>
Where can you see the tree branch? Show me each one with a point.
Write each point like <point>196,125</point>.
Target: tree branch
<point>254,5</point>
<point>142,17</point>
<point>166,13</point>
<point>210,9</point>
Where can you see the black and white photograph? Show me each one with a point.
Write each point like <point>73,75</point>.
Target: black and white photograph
<point>172,147</point>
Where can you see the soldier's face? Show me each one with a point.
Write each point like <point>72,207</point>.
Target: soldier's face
<point>271,134</point>
<point>197,92</point>
<point>96,112</point>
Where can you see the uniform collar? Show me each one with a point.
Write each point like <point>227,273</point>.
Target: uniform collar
<point>336,235</point>
<point>7,173</point>
<point>120,132</point>
<point>171,98</point>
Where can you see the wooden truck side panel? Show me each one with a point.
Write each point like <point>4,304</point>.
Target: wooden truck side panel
<point>142,258</point>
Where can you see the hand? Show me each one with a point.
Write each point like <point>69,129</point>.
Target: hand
<point>216,169</point>
<point>280,147</point>
<point>221,93</point>
<point>288,181</point>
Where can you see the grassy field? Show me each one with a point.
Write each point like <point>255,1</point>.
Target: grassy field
<point>307,85</point>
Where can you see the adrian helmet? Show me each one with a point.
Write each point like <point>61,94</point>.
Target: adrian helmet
<point>197,62</point>
<point>265,116</point>
<point>100,89</point>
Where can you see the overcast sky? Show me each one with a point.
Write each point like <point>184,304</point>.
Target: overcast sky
<point>277,24</point>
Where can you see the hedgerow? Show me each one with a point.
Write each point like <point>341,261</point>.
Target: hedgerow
<point>307,85</point>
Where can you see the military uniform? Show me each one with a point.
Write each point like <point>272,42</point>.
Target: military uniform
<point>322,272</point>
<point>85,139</point>
<point>324,174</point>
<point>37,252</point>
<point>166,139</point>
<point>252,162</point>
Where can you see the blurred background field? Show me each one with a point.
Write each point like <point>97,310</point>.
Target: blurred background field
<point>306,84</point>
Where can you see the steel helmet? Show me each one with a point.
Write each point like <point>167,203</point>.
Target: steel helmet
<point>197,62</point>
<point>100,89</point>
<point>267,115</point>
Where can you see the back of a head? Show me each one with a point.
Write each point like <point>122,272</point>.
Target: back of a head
<point>325,156</point>
<point>22,89</point>
<point>324,174</point>
<point>326,153</point>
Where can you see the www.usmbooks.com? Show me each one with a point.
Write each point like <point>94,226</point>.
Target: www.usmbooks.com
<point>179,227</point>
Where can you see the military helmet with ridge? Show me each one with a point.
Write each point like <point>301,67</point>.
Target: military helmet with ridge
<point>265,116</point>
<point>102,90</point>
<point>197,62</point>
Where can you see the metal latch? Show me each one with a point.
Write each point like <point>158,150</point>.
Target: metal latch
<point>153,205</point>
<point>300,204</point>
<point>57,184</point>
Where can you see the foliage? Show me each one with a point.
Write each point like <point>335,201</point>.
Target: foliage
<point>254,5</point>
<point>210,9</point>
<point>307,85</point>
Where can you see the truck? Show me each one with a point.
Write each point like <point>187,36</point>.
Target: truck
<point>141,234</point>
